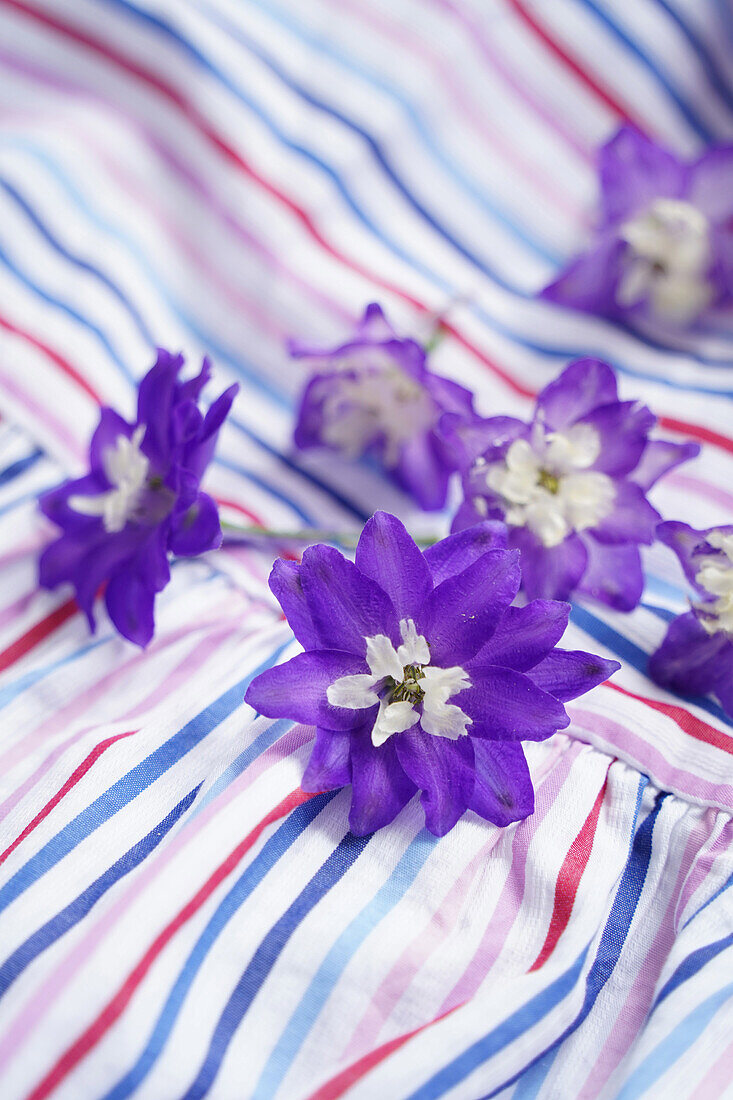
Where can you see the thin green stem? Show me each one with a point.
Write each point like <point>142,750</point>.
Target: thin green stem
<point>307,535</point>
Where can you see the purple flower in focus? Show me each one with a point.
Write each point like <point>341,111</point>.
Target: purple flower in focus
<point>140,501</point>
<point>664,247</point>
<point>376,395</point>
<point>419,675</point>
<point>571,486</point>
<point>696,656</point>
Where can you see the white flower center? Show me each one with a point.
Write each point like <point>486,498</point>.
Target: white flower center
<point>715,575</point>
<point>545,483</point>
<point>401,680</point>
<point>383,403</point>
<point>126,468</point>
<point>668,260</point>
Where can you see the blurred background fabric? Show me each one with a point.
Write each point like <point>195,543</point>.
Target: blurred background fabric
<point>176,918</point>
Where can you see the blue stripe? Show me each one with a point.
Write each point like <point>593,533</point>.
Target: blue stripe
<point>267,954</point>
<point>324,981</point>
<point>611,942</point>
<point>690,115</point>
<point>19,467</point>
<point>126,789</point>
<point>446,287</point>
<point>77,909</point>
<point>708,66</point>
<point>276,847</point>
<point>692,964</point>
<point>633,655</point>
<point>671,1049</point>
<point>721,890</point>
<point>243,761</point>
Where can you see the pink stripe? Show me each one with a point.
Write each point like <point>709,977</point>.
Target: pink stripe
<point>716,1081</point>
<point>649,760</point>
<point>634,1011</point>
<point>703,867</point>
<point>512,895</point>
<point>495,59</point>
<point>28,401</point>
<point>414,957</point>
<point>25,747</point>
<point>470,111</point>
<point>29,1018</point>
<point>701,488</point>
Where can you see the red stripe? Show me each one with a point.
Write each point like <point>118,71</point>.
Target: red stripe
<point>340,1084</point>
<point>36,634</point>
<point>59,360</point>
<point>303,217</point>
<point>568,880</point>
<point>71,782</point>
<point>705,435</point>
<point>687,722</point>
<point>569,62</point>
<point>116,1006</point>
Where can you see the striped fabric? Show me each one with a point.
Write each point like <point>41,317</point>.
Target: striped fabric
<point>177,919</point>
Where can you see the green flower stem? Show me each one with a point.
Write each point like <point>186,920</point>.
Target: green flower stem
<point>307,535</point>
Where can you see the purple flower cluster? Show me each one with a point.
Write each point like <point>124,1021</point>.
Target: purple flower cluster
<point>663,250</point>
<point>375,395</point>
<point>419,675</point>
<point>696,656</point>
<point>140,501</point>
<point>570,485</point>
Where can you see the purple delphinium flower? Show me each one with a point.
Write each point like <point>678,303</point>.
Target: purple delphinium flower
<point>376,395</point>
<point>664,246</point>
<point>696,656</point>
<point>419,675</point>
<point>571,485</point>
<point>140,501</point>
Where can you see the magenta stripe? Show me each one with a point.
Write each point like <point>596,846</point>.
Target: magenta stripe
<point>476,35</point>
<point>701,488</point>
<point>27,400</point>
<point>703,867</point>
<point>40,1002</point>
<point>634,1011</point>
<point>512,895</point>
<point>645,757</point>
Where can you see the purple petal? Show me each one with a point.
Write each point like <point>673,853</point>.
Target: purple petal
<point>456,552</point>
<point>130,604</point>
<point>287,589</point>
<point>589,281</point>
<point>710,183</point>
<point>686,543</point>
<point>199,454</point>
<point>503,789</point>
<point>658,458</point>
<point>623,427</point>
<point>422,471</point>
<point>345,604</point>
<point>468,441</point>
<point>196,530</point>
<point>374,325</point>
<point>55,505</point>
<point>467,516</point>
<point>613,575</point>
<point>449,395</point>
<point>634,171</point>
<point>111,427</point>
<point>102,561</point>
<point>154,404</point>
<point>507,705</point>
<point>579,390</point>
<point>329,766</point>
<point>566,674</point>
<point>633,519</point>
<point>461,613</point>
<point>61,560</point>
<point>308,431</point>
<point>298,689</point>
<point>380,788</point>
<point>525,635</point>
<point>443,770</point>
<point>549,572</point>
<point>691,661</point>
<point>388,555</point>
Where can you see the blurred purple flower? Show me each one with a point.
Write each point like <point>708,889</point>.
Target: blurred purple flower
<point>140,501</point>
<point>375,394</point>
<point>419,675</point>
<point>571,485</point>
<point>696,656</point>
<point>664,247</point>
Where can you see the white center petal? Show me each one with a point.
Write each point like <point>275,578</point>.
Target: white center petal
<point>547,486</point>
<point>414,649</point>
<point>393,718</point>
<point>668,260</point>
<point>126,468</point>
<point>715,575</point>
<point>440,718</point>
<point>353,692</point>
<point>382,658</point>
